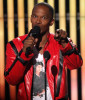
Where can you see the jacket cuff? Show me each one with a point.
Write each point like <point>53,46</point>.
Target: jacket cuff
<point>23,56</point>
<point>70,49</point>
<point>67,48</point>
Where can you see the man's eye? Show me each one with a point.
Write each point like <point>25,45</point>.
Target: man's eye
<point>44,17</point>
<point>35,16</point>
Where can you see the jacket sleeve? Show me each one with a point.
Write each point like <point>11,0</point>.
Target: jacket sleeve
<point>15,63</point>
<point>72,57</point>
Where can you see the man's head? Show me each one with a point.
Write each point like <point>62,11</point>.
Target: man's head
<point>42,16</point>
<point>51,10</point>
<point>38,67</point>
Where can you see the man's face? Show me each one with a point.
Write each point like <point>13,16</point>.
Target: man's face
<point>38,68</point>
<point>41,17</point>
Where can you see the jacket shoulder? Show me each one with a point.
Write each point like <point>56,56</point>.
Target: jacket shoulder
<point>20,38</point>
<point>17,42</point>
<point>51,38</point>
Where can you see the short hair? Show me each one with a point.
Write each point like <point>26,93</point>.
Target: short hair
<point>38,63</point>
<point>51,10</point>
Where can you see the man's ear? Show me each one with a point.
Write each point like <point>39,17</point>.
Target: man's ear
<point>52,21</point>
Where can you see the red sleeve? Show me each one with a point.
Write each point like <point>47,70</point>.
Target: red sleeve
<point>72,58</point>
<point>14,71</point>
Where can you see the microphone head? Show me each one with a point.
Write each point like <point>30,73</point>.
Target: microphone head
<point>54,70</point>
<point>35,31</point>
<point>46,55</point>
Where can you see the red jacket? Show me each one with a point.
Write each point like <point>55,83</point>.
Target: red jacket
<point>17,72</point>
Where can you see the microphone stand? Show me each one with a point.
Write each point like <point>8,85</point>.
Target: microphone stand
<point>54,87</point>
<point>47,57</point>
<point>45,80</point>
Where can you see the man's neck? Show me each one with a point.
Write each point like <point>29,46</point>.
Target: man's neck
<point>43,41</point>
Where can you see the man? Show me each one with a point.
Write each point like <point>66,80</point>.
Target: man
<point>20,67</point>
<point>38,81</point>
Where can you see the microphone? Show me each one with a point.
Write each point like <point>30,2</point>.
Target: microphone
<point>54,70</point>
<point>46,56</point>
<point>35,33</point>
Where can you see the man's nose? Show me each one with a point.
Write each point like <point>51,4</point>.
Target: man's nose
<point>38,21</point>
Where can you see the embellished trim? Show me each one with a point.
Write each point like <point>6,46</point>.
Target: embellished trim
<point>17,58</point>
<point>59,75</point>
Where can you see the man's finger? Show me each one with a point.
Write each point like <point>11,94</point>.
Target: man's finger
<point>58,31</point>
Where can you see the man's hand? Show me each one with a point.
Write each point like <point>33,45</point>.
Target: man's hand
<point>61,37</point>
<point>29,42</point>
